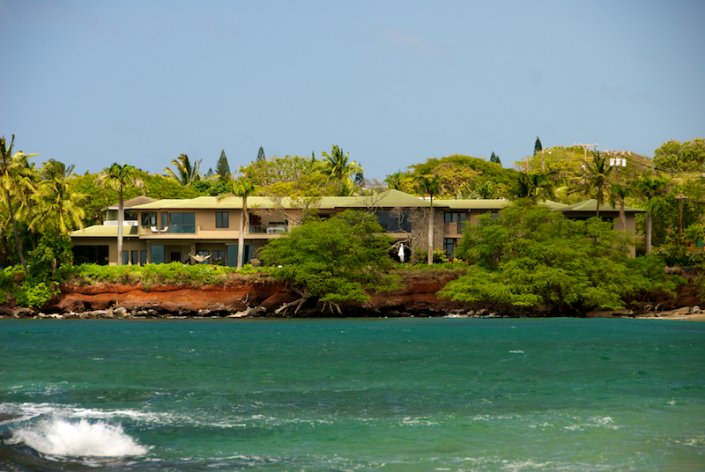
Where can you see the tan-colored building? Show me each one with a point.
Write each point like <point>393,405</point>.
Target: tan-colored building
<point>203,228</point>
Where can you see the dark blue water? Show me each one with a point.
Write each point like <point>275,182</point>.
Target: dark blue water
<point>368,394</point>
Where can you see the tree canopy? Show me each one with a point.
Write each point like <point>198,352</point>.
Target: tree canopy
<point>688,156</point>
<point>531,256</point>
<point>337,259</point>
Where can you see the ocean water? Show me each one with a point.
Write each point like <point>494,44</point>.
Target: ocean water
<point>440,394</point>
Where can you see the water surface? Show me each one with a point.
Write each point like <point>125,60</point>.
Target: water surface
<point>362,394</point>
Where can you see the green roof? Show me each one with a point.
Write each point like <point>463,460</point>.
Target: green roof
<point>591,206</point>
<point>102,231</point>
<point>391,199</point>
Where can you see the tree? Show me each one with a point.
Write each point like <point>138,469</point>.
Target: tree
<point>120,178</point>
<point>337,167</point>
<point>337,259</point>
<point>537,146</point>
<point>596,179</point>
<point>15,180</point>
<point>537,185</point>
<point>618,196</point>
<point>57,205</point>
<point>223,168</point>
<point>260,155</point>
<point>242,188</point>
<point>495,158</point>
<point>186,173</point>
<point>650,188</point>
<point>533,257</point>
<point>429,185</point>
<point>684,157</point>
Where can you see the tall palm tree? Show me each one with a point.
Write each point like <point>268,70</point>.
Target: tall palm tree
<point>618,196</point>
<point>596,179</point>
<point>55,202</point>
<point>15,179</point>
<point>537,185</point>
<point>242,188</point>
<point>429,185</point>
<point>337,166</point>
<point>650,188</point>
<point>394,181</point>
<point>120,178</point>
<point>186,173</point>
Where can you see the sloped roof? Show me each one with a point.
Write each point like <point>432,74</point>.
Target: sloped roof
<point>133,202</point>
<point>591,206</point>
<point>391,199</point>
<point>101,231</point>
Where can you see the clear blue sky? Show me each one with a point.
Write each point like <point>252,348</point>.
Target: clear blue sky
<point>392,82</point>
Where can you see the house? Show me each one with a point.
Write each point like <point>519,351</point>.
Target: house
<point>206,229</point>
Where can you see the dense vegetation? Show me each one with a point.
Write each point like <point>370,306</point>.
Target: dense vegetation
<point>337,259</point>
<point>531,256</point>
<point>42,203</point>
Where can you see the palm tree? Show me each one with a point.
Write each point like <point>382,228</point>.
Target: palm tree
<point>394,181</point>
<point>242,188</point>
<point>14,179</point>
<point>429,185</point>
<point>55,199</point>
<point>619,195</point>
<point>187,173</point>
<point>537,185</point>
<point>337,166</point>
<point>596,179</point>
<point>650,188</point>
<point>120,178</point>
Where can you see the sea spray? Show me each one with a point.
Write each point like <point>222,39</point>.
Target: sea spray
<point>58,436</point>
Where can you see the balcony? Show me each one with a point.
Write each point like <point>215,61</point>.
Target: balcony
<point>171,229</point>
<point>268,229</point>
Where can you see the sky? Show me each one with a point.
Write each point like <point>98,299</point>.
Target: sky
<point>392,82</point>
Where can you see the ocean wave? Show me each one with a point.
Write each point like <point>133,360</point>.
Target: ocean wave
<point>62,437</point>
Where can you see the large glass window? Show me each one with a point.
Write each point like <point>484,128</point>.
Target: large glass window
<point>125,257</point>
<point>149,219</point>
<point>143,257</point>
<point>158,254</point>
<point>134,257</point>
<point>183,222</point>
<point>222,219</point>
<point>449,246</point>
<point>91,255</point>
<point>393,222</point>
<point>232,255</point>
<point>458,218</point>
<point>165,220</point>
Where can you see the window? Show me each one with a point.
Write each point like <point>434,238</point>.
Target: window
<point>125,257</point>
<point>232,255</point>
<point>449,246</point>
<point>221,219</point>
<point>91,255</point>
<point>134,255</point>
<point>457,218</point>
<point>158,254</point>
<point>143,257</point>
<point>393,221</point>
<point>183,223</point>
<point>149,219</point>
<point>165,220</point>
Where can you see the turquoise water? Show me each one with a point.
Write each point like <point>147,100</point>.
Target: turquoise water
<point>362,394</point>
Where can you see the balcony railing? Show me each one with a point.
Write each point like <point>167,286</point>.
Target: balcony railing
<point>265,229</point>
<point>171,229</point>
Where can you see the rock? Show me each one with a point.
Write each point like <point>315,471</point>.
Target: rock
<point>696,309</point>
<point>120,311</point>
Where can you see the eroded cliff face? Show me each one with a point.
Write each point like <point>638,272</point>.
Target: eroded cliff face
<point>256,297</point>
<point>266,297</point>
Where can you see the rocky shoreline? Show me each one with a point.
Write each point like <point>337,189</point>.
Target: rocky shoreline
<point>267,298</point>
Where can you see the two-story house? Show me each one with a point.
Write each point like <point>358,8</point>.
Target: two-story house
<point>207,229</point>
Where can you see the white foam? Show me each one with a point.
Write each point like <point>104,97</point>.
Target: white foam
<point>61,437</point>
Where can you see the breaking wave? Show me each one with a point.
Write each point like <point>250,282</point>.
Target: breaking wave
<point>58,436</point>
